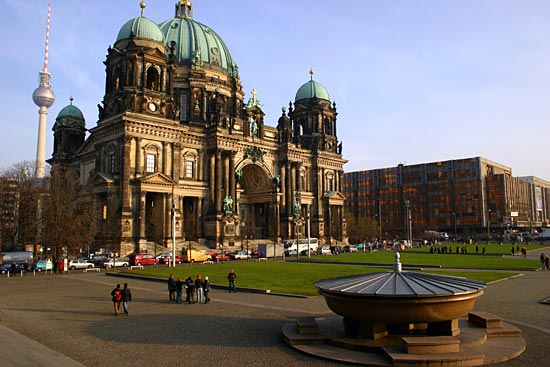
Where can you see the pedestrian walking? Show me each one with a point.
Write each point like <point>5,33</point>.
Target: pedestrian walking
<point>171,288</point>
<point>126,298</point>
<point>199,288</point>
<point>542,261</point>
<point>116,295</point>
<point>179,291</point>
<point>206,290</point>
<point>232,277</point>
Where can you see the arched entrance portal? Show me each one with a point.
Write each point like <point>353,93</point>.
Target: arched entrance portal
<point>258,203</point>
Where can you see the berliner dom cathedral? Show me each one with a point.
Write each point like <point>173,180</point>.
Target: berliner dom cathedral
<point>178,153</point>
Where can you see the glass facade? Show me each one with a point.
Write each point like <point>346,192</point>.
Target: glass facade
<point>464,194</point>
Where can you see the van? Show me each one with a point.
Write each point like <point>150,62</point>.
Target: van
<point>141,259</point>
<point>196,255</point>
<point>20,258</point>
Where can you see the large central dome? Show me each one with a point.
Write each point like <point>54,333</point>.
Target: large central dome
<point>194,43</point>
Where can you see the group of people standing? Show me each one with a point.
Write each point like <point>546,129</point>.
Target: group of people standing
<point>196,291</point>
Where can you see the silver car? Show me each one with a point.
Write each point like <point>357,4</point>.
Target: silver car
<point>80,264</point>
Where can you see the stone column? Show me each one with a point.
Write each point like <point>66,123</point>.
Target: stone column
<point>226,176</point>
<point>232,179</point>
<point>211,180</point>
<point>142,205</point>
<point>218,184</point>
<point>283,188</point>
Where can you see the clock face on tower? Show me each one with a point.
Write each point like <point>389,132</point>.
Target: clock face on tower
<point>152,107</point>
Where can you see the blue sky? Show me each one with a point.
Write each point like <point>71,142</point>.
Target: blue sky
<point>414,80</point>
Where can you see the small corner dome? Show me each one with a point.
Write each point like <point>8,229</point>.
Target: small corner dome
<point>140,27</point>
<point>310,90</point>
<point>70,112</point>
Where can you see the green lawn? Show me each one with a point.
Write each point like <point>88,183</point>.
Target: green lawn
<point>421,257</point>
<point>285,277</point>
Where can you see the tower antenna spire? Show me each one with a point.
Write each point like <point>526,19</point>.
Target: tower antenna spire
<point>47,38</point>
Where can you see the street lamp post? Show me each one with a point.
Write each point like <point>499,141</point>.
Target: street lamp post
<point>454,220</point>
<point>488,225</point>
<point>242,233</point>
<point>409,222</point>
<point>297,207</point>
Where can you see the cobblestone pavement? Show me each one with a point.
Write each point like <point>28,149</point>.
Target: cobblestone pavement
<point>72,315</point>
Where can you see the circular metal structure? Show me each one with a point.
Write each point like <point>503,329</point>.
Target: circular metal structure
<point>372,304</point>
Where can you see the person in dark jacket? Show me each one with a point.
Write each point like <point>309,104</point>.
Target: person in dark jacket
<point>232,277</point>
<point>190,290</point>
<point>172,288</point>
<point>126,298</point>
<point>116,295</point>
<point>179,291</point>
<point>199,289</point>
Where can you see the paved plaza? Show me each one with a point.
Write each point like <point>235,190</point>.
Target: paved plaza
<point>67,320</point>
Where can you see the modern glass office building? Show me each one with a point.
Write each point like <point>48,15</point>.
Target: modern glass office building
<point>473,195</point>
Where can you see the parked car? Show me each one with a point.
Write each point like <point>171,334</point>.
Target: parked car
<point>6,268</point>
<point>168,259</point>
<point>240,255</point>
<point>115,262</point>
<point>42,265</point>
<point>80,264</point>
<point>291,252</point>
<point>141,259</point>
<point>325,250</point>
<point>222,257</point>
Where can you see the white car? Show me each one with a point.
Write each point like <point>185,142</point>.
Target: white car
<point>80,264</point>
<point>241,255</point>
<point>325,250</point>
<point>353,248</point>
<point>117,263</point>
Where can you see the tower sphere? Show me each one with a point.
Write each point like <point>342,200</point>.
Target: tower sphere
<point>43,97</point>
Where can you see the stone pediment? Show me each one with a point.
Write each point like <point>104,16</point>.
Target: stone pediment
<point>335,198</point>
<point>101,178</point>
<point>156,180</point>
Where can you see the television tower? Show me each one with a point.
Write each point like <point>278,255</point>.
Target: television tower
<point>44,98</point>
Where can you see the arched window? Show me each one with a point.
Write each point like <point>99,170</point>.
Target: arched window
<point>152,78</point>
<point>329,182</point>
<point>110,159</point>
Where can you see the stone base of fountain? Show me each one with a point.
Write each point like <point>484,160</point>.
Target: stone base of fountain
<point>482,339</point>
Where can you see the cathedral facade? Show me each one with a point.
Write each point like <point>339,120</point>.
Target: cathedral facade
<point>177,152</point>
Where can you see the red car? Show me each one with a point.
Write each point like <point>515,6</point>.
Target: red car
<point>141,259</point>
<point>222,257</point>
<point>168,259</point>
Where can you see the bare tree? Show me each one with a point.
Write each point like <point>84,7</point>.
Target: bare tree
<point>361,228</point>
<point>20,195</point>
<point>69,214</point>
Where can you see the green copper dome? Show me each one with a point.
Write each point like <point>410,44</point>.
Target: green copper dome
<point>312,89</point>
<point>140,27</point>
<point>71,111</point>
<point>194,43</point>
<point>70,116</point>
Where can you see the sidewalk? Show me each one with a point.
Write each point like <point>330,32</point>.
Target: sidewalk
<point>18,350</point>
<point>73,321</point>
